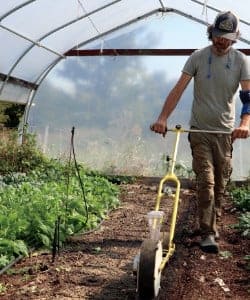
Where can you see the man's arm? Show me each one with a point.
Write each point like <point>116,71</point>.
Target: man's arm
<point>171,101</point>
<point>242,131</point>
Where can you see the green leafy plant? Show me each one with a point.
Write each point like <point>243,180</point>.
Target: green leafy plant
<point>3,260</point>
<point>225,254</point>
<point>19,154</point>
<point>241,199</point>
<point>2,288</point>
<point>247,258</point>
<point>36,193</point>
<point>244,224</point>
<point>35,203</point>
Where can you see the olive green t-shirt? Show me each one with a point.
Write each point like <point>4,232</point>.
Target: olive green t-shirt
<point>216,80</point>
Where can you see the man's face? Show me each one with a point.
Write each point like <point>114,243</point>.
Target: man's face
<point>221,45</point>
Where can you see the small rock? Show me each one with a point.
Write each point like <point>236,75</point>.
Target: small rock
<point>222,284</point>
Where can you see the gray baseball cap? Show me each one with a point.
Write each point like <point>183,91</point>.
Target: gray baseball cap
<point>226,25</point>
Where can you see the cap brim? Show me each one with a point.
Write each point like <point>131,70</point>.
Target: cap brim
<point>230,36</point>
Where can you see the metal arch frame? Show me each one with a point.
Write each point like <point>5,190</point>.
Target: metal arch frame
<point>37,43</point>
<point>137,19</point>
<point>165,10</point>
<point>15,9</point>
<point>33,92</point>
<point>45,72</point>
<point>178,12</point>
<point>217,10</point>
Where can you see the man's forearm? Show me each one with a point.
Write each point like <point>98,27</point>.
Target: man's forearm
<point>170,104</point>
<point>174,97</point>
<point>245,120</point>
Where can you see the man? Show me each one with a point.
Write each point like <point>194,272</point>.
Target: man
<point>218,70</point>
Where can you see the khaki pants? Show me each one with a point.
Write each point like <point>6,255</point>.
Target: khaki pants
<point>212,156</point>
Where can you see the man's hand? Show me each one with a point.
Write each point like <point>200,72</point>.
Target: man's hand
<point>242,132</point>
<point>159,127</point>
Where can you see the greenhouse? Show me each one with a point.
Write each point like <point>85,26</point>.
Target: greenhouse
<point>41,54</point>
<point>82,86</point>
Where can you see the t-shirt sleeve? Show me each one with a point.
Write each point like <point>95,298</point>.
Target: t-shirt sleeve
<point>245,70</point>
<point>190,66</point>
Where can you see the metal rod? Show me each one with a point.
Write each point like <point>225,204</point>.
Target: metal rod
<point>18,81</point>
<point>128,52</point>
<point>202,131</point>
<point>178,132</point>
<point>142,17</point>
<point>38,82</point>
<point>199,131</point>
<point>15,9</point>
<point>32,41</point>
<point>136,52</point>
<point>161,3</point>
<point>217,10</point>
<point>11,263</point>
<point>50,33</point>
<point>121,26</point>
<point>178,12</point>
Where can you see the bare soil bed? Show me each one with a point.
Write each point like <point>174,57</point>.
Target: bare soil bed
<point>98,265</point>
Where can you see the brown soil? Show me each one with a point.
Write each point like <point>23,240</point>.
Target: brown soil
<point>98,265</point>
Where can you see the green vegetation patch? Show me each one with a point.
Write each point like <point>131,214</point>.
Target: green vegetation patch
<point>241,199</point>
<point>36,193</point>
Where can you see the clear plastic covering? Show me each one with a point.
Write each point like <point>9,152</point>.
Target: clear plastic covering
<point>37,33</point>
<point>15,93</point>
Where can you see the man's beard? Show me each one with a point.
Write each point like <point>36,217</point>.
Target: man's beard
<point>221,47</point>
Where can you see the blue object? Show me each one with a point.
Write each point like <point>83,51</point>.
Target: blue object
<point>245,99</point>
<point>245,96</point>
<point>245,108</point>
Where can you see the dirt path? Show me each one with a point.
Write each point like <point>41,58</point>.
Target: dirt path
<point>98,265</point>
